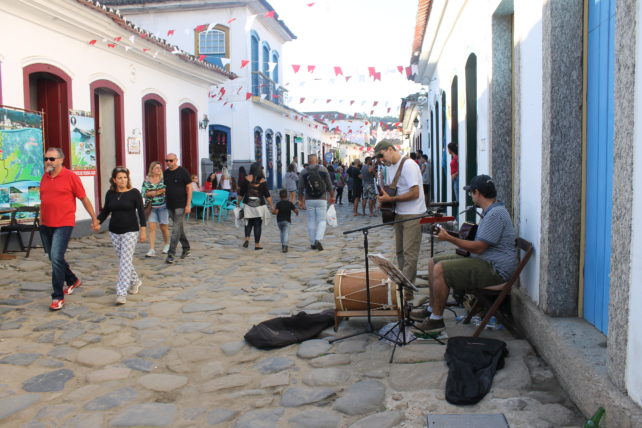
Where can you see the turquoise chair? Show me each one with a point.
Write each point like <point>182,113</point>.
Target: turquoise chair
<point>201,200</point>
<point>219,199</point>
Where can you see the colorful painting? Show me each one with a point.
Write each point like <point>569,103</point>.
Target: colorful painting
<point>83,143</point>
<point>21,152</point>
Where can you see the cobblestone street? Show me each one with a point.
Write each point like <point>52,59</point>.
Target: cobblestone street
<point>174,355</point>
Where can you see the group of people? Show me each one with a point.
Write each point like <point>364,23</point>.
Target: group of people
<point>492,260</point>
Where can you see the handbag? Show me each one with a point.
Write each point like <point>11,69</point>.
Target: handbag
<point>388,208</point>
<point>147,208</point>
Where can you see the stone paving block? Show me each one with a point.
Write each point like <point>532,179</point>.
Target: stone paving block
<point>14,404</point>
<point>315,419</point>
<point>219,415</point>
<point>48,382</point>
<point>111,399</point>
<point>361,398</point>
<point>273,365</point>
<point>296,396</point>
<point>150,414</point>
<point>268,418</point>
<point>326,377</point>
<point>380,420</point>
<point>97,357</point>
<point>162,382</point>
<point>420,376</point>
<point>20,359</point>
<point>313,348</point>
<point>226,382</point>
<point>140,364</point>
<point>330,360</point>
<point>108,373</point>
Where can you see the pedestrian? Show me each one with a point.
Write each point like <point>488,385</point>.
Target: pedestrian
<point>283,212</point>
<point>178,197</point>
<point>210,183</point>
<point>257,204</point>
<point>154,188</point>
<point>409,202</point>
<point>291,178</point>
<point>357,185</point>
<point>368,184</point>
<point>242,174</point>
<point>314,183</point>
<point>340,182</point>
<point>453,150</point>
<point>195,186</point>
<point>350,183</point>
<point>59,189</point>
<point>126,226</point>
<point>426,172</point>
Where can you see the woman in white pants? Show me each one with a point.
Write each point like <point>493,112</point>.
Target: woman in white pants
<point>126,226</point>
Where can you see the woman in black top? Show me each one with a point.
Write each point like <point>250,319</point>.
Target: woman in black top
<point>125,205</point>
<point>257,203</point>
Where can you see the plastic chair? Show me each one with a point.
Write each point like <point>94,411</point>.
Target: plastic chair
<point>220,200</point>
<point>200,199</point>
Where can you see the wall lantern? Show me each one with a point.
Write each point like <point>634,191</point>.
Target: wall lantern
<point>203,123</point>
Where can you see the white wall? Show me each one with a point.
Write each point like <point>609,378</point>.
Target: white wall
<point>633,375</point>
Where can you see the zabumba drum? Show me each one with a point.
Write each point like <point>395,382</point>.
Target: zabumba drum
<point>350,290</point>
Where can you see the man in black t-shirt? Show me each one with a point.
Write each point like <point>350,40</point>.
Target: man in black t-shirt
<point>178,197</point>
<point>357,186</point>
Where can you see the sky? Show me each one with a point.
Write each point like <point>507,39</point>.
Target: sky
<point>353,35</point>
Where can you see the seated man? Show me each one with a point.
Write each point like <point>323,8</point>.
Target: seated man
<point>492,261</point>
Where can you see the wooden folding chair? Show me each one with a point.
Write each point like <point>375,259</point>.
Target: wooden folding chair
<point>491,298</point>
<point>15,226</point>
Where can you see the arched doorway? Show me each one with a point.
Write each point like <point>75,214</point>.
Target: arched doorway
<point>48,88</point>
<point>279,161</point>
<point>438,195</point>
<point>454,128</point>
<point>189,137</point>
<point>445,172</point>
<point>258,145</point>
<point>219,144</point>
<point>154,135</point>
<point>269,158</point>
<point>471,127</point>
<point>108,110</point>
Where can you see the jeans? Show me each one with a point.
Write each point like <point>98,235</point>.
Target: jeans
<point>178,231</point>
<point>284,228</point>
<point>316,209</point>
<point>55,240</point>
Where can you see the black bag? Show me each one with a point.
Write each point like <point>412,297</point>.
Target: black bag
<point>147,208</point>
<point>284,331</point>
<point>472,363</point>
<point>314,184</point>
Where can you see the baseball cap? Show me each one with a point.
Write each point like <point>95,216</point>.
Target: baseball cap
<point>484,184</point>
<point>383,145</point>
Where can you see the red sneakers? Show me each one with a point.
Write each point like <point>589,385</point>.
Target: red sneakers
<point>70,288</point>
<point>56,304</point>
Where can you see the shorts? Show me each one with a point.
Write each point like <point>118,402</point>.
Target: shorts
<point>159,215</point>
<point>357,189</point>
<point>369,192</point>
<point>465,273</point>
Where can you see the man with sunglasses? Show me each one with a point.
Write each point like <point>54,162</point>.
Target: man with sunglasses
<point>59,189</point>
<point>492,256</point>
<point>178,197</point>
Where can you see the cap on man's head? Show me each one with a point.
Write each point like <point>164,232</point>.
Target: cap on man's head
<point>484,184</point>
<point>383,145</point>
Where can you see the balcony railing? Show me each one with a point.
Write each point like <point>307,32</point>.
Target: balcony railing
<point>263,85</point>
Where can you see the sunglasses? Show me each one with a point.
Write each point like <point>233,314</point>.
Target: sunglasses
<point>122,169</point>
<point>170,160</point>
<point>50,159</point>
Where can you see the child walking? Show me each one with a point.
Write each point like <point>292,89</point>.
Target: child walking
<point>283,211</point>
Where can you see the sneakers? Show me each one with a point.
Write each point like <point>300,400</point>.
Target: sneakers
<point>57,304</point>
<point>166,249</point>
<point>70,288</point>
<point>318,246</point>
<point>186,253</point>
<point>169,259</point>
<point>246,244</point>
<point>133,289</point>
<point>284,248</point>
<point>314,246</point>
<point>430,326</point>
<point>151,253</point>
<point>121,300</point>
<point>419,314</point>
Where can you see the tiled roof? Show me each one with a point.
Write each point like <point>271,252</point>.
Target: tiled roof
<point>158,41</point>
<point>423,14</point>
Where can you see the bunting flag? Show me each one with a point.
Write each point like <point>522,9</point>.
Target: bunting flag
<point>225,61</point>
<point>311,68</point>
<point>201,57</point>
<point>301,100</point>
<point>145,50</point>
<point>239,90</point>
<point>211,26</point>
<point>271,66</point>
<point>111,45</point>
<point>400,69</point>
<point>118,39</point>
<point>374,104</point>
<point>351,102</point>
<point>244,62</point>
<point>337,71</point>
<point>92,42</point>
<point>296,67</point>
<point>310,4</point>
<point>229,21</point>
<point>127,48</point>
<point>377,76</point>
<point>132,38</point>
<point>408,71</point>
<point>200,28</point>
<point>388,110</point>
<point>328,100</point>
<point>176,51</point>
<point>269,14</point>
<point>248,95</point>
<point>371,71</point>
<point>170,33</point>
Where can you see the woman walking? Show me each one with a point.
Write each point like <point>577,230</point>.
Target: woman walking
<point>127,218</point>
<point>291,178</point>
<point>154,188</point>
<point>257,203</point>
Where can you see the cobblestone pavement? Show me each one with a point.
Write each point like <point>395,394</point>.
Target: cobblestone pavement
<point>174,355</point>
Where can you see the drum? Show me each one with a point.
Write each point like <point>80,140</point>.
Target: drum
<point>350,290</point>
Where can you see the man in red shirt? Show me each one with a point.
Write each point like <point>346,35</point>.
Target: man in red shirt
<point>59,189</point>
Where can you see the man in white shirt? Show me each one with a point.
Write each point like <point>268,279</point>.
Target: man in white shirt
<point>409,202</point>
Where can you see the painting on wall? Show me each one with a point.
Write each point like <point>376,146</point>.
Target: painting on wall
<point>83,142</point>
<point>21,164</point>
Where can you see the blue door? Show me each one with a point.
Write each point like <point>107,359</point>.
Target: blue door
<point>269,159</point>
<point>599,165</point>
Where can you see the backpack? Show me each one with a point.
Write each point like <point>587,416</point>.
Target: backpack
<point>314,184</point>
<point>472,363</point>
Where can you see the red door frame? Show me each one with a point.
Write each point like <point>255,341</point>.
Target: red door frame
<point>154,130</point>
<point>189,137</point>
<point>55,124</point>
<point>119,121</point>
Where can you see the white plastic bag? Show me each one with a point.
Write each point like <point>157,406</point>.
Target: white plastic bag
<point>331,216</point>
<point>238,216</point>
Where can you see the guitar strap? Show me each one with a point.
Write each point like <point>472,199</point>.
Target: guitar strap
<point>393,185</point>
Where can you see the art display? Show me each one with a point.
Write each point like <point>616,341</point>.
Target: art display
<point>82,142</point>
<point>21,153</point>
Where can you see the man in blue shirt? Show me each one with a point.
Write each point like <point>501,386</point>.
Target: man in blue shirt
<point>492,261</point>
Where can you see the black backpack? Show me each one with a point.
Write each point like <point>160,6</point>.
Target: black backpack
<point>472,363</point>
<point>314,184</point>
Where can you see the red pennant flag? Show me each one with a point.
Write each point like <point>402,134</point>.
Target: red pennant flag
<point>332,121</point>
<point>381,124</point>
<point>348,78</point>
<point>142,35</point>
<point>222,91</point>
<point>388,111</point>
<point>377,76</point>
<point>231,20</point>
<point>310,4</point>
<point>92,42</point>
<point>200,28</point>
<point>328,100</point>
<point>145,50</point>
<point>301,100</point>
<point>400,69</point>
<point>408,71</point>
<point>350,132</point>
<point>366,122</point>
<point>170,32</point>
<point>295,67</point>
<point>374,104</point>
<point>337,71</point>
<point>231,106</point>
<point>118,39</point>
<point>351,102</point>
<point>269,14</point>
<point>225,103</point>
<point>248,95</point>
<point>371,112</point>
<point>275,96</point>
<point>311,68</point>
<point>244,62</point>
<point>397,124</point>
<point>371,71</point>
<point>111,45</point>
<point>201,57</point>
<point>239,90</point>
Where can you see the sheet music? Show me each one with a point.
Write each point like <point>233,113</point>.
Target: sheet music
<point>392,271</point>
